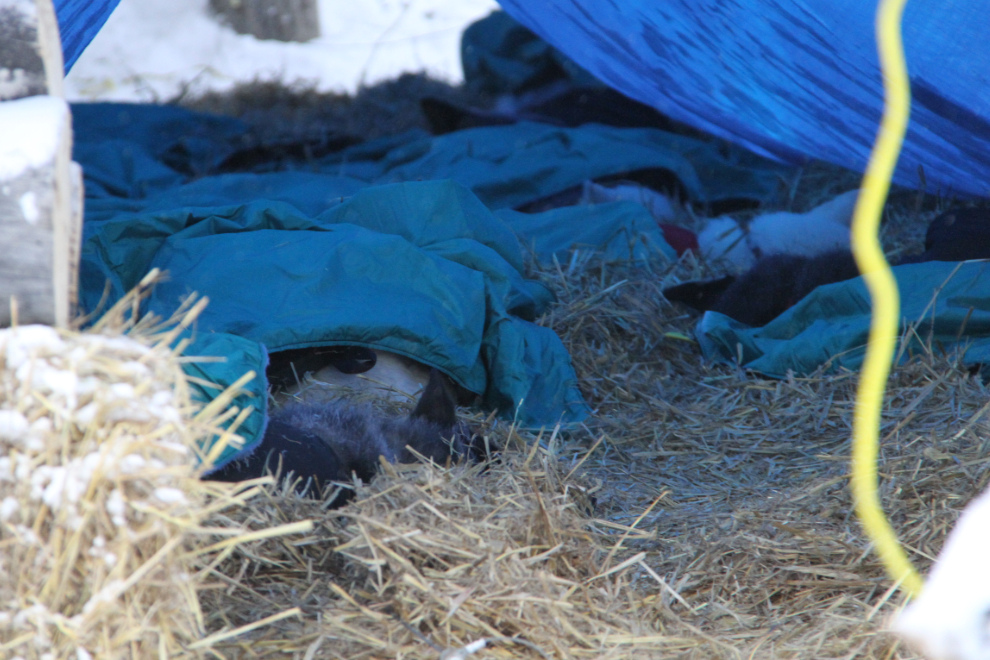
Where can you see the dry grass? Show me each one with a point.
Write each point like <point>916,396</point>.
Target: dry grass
<point>702,512</point>
<point>429,560</point>
<point>754,527</point>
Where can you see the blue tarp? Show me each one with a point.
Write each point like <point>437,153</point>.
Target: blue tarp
<point>791,79</point>
<point>78,23</point>
<point>508,166</point>
<point>305,259</point>
<point>788,80</point>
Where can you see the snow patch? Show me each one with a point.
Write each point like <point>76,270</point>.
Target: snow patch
<point>170,495</point>
<point>116,507</point>
<point>8,507</point>
<point>29,133</point>
<point>24,341</point>
<point>29,207</point>
<point>151,50</point>
<point>13,425</point>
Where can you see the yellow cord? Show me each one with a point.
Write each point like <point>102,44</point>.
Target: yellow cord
<point>884,294</point>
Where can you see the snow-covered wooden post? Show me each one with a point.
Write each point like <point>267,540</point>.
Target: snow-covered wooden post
<point>285,20</point>
<point>40,186</point>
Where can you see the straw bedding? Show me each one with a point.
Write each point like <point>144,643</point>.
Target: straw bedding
<point>702,512</point>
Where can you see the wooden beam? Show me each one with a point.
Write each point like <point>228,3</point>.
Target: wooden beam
<point>30,49</point>
<point>40,187</point>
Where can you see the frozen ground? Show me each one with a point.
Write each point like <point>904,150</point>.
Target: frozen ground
<point>153,50</point>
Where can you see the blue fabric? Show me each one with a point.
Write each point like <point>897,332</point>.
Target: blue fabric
<point>948,304</point>
<point>508,166</point>
<point>422,269</point>
<point>791,79</point>
<point>78,23</point>
<point>300,259</point>
<point>621,231</point>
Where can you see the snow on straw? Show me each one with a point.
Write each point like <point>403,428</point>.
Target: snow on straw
<point>101,506</point>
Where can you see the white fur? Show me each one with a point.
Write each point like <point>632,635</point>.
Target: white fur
<point>820,230</point>
<point>838,209</point>
<point>823,228</point>
<point>800,235</point>
<point>393,377</point>
<point>723,239</point>
<point>658,204</point>
<point>951,618</point>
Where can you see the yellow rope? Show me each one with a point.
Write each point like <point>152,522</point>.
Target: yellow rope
<point>884,294</point>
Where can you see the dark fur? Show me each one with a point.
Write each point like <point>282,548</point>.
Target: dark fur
<point>956,235</point>
<point>702,295</point>
<point>768,289</point>
<point>326,443</point>
<point>778,281</point>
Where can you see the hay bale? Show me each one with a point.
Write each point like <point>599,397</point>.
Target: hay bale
<point>101,508</point>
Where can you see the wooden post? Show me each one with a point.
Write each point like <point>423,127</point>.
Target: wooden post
<point>40,186</point>
<point>284,20</point>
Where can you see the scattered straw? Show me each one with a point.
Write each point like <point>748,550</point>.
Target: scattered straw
<point>702,512</point>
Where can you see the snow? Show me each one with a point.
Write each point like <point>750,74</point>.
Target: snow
<point>170,495</point>
<point>29,133</point>
<point>42,366</point>
<point>29,207</point>
<point>122,390</point>
<point>13,425</point>
<point>55,485</point>
<point>951,618</point>
<point>27,339</point>
<point>116,507</point>
<point>107,594</point>
<point>153,50</point>
<point>132,463</point>
<point>8,507</point>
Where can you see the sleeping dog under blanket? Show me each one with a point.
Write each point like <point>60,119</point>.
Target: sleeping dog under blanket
<point>320,444</point>
<point>778,281</point>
